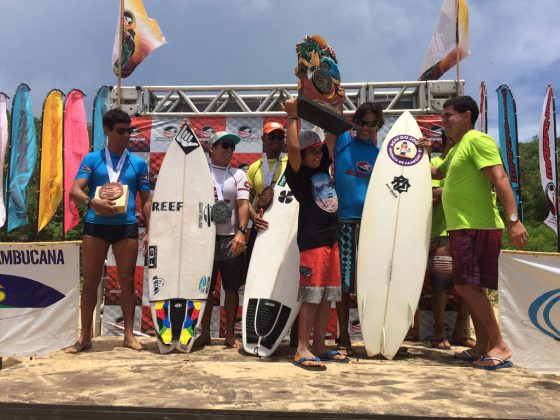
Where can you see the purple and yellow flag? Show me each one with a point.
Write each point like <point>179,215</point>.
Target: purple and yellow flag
<point>451,34</point>
<point>50,181</point>
<point>507,124</point>
<point>140,35</point>
<point>23,156</point>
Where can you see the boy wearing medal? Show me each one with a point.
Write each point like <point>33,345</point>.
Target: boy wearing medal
<point>112,176</point>
<point>231,215</point>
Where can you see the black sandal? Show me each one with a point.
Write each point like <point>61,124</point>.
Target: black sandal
<point>345,346</point>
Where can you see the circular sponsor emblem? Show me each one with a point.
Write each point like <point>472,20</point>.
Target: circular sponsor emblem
<point>364,167</point>
<point>170,131</point>
<point>207,131</point>
<point>245,131</point>
<point>403,151</point>
<point>111,191</point>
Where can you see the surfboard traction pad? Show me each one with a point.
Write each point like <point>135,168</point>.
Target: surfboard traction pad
<point>176,322</point>
<point>265,321</point>
<point>320,95</point>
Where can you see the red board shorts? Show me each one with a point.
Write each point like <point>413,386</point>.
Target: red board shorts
<point>319,279</point>
<point>475,255</point>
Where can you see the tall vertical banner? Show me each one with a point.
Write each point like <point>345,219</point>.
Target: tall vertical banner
<point>3,145</point>
<point>39,291</point>
<point>139,36</point>
<point>100,107</point>
<point>507,124</point>
<point>529,289</point>
<point>76,146</point>
<point>548,159</point>
<point>483,108</point>
<point>50,181</point>
<point>23,156</point>
<point>449,42</point>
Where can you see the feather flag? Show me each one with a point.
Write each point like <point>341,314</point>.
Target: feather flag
<point>483,108</point>
<point>548,158</point>
<point>50,181</point>
<point>507,123</point>
<point>3,145</point>
<point>23,156</point>
<point>140,35</point>
<point>450,38</point>
<point>76,146</point>
<point>100,107</point>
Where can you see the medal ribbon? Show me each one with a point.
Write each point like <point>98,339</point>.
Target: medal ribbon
<point>114,173</point>
<point>219,187</point>
<point>267,174</point>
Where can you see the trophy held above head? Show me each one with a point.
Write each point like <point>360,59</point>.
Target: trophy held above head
<point>320,96</point>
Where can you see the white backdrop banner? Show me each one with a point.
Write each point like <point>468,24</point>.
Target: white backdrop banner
<point>39,291</point>
<point>530,308</point>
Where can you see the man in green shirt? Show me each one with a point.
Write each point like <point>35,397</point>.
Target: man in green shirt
<point>472,171</point>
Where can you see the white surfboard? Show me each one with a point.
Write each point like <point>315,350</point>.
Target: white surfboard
<point>394,239</point>
<point>181,243</point>
<point>270,303</point>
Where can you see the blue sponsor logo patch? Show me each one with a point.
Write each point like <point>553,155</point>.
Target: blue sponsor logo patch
<point>543,313</point>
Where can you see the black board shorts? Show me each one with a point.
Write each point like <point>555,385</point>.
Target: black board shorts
<point>111,233</point>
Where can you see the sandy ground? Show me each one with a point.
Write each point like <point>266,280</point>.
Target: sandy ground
<point>428,383</point>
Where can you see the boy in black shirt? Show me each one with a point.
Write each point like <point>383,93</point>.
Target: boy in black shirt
<point>307,174</point>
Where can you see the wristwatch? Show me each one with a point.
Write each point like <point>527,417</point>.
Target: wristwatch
<point>87,201</point>
<point>243,230</point>
<point>513,218</point>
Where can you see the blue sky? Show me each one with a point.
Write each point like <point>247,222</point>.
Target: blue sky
<point>67,44</point>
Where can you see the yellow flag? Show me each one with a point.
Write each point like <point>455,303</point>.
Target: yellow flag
<point>140,36</point>
<point>50,182</point>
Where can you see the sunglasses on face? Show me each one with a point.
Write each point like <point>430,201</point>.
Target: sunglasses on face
<point>227,146</point>
<point>276,136</point>
<point>121,131</point>
<point>363,123</point>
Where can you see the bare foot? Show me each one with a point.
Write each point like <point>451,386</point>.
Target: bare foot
<point>233,343</point>
<point>441,344</point>
<point>465,342</point>
<point>78,347</point>
<point>133,344</point>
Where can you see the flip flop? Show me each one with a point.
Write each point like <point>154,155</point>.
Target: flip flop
<point>300,363</point>
<point>502,363</point>
<point>330,357</point>
<point>466,356</point>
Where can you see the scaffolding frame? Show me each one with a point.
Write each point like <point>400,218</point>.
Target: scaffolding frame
<point>418,97</point>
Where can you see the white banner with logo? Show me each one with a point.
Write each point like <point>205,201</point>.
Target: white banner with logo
<point>39,292</point>
<point>529,302</point>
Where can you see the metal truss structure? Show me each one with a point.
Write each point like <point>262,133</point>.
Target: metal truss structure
<point>264,100</point>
